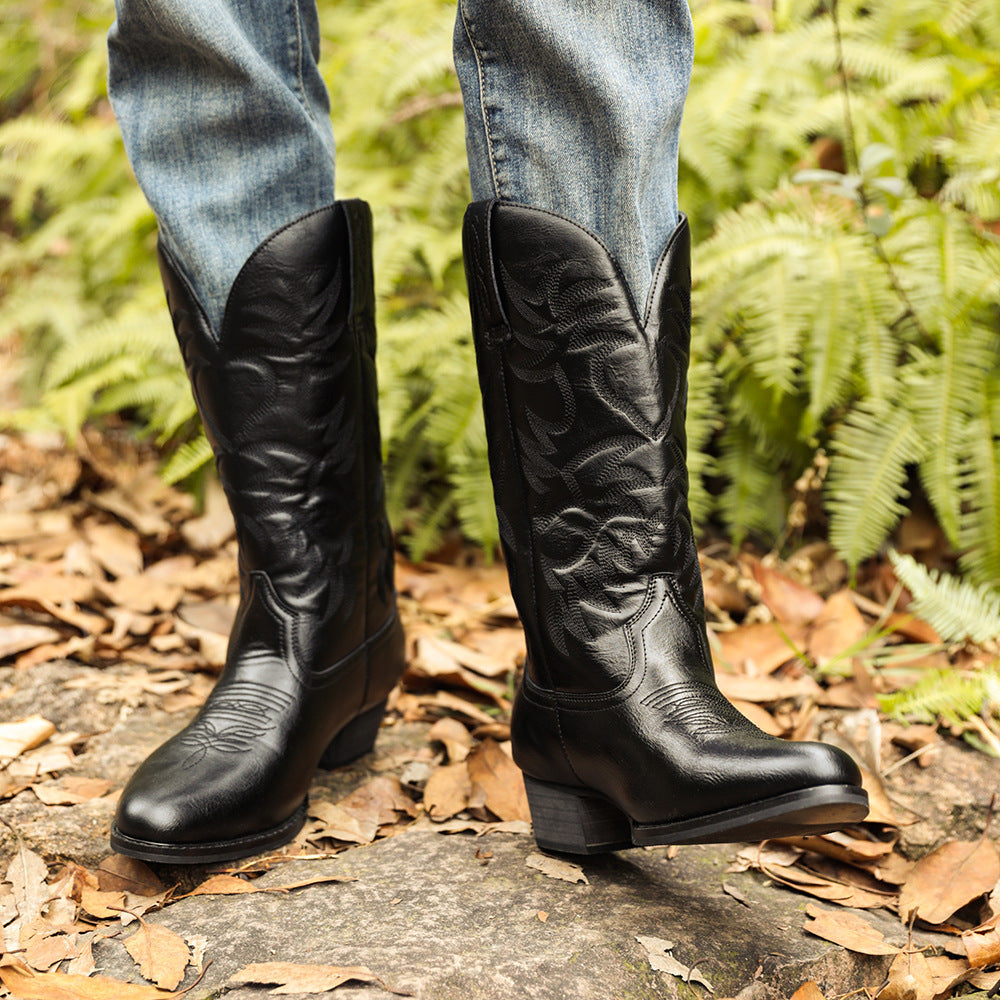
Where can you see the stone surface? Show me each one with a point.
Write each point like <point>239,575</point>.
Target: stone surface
<point>429,916</point>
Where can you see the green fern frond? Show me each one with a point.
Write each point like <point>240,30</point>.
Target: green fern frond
<point>186,460</point>
<point>957,609</point>
<point>870,453</point>
<point>948,695</point>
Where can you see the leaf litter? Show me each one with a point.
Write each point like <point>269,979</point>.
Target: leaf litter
<point>115,567</point>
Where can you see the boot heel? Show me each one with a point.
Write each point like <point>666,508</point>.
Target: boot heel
<point>355,740</point>
<point>575,822</point>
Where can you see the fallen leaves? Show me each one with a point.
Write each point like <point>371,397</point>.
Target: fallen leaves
<point>25,984</point>
<point>849,930</point>
<point>161,954</point>
<point>950,876</point>
<point>26,734</point>
<point>566,871</point>
<point>658,953</point>
<point>295,978</point>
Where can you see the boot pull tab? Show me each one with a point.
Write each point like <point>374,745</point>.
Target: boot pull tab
<point>484,290</point>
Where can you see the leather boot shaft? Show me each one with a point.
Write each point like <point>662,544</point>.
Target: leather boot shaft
<point>287,394</point>
<point>621,732</point>
<point>588,398</point>
<point>288,399</point>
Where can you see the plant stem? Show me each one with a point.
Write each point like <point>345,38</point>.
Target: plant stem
<point>851,155</point>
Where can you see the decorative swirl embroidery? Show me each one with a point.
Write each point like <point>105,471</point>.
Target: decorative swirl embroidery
<point>599,414</point>
<point>240,713</point>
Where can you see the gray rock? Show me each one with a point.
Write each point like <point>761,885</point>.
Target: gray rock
<point>429,916</point>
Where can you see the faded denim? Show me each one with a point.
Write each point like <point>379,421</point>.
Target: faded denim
<point>571,105</point>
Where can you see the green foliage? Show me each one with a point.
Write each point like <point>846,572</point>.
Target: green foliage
<point>846,306</point>
<point>853,311</point>
<point>946,694</point>
<point>957,609</point>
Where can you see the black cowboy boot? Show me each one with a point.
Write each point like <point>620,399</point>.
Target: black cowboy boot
<point>621,732</point>
<point>287,396</point>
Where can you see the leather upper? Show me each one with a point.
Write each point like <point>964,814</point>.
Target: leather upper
<point>287,397</point>
<point>585,405</point>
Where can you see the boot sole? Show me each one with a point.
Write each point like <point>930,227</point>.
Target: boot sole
<point>353,741</point>
<point>572,821</point>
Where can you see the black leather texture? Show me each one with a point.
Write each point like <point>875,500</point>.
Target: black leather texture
<point>584,400</point>
<point>288,399</point>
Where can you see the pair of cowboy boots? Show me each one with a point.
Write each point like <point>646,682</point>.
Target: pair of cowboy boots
<point>622,735</point>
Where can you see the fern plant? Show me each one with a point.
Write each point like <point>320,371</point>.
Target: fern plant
<point>851,306</point>
<point>847,266</point>
<point>957,609</point>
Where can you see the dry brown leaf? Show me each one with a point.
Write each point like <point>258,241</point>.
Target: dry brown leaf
<point>760,717</point>
<point>230,885</point>
<point>143,593</point>
<point>848,930</point>
<point>738,687</point>
<point>223,885</point>
<point>295,978</point>
<point>477,827</point>
<point>215,526</point>
<point>788,600</point>
<point>759,648</point>
<point>894,869</point>
<point>949,877</point>
<point>842,846</point>
<point>380,799</point>
<point>118,873</point>
<point>134,504</point>
<point>17,638</point>
<point>808,991</point>
<point>47,653</point>
<point>424,707</point>
<point>455,737</point>
<point>814,884</point>
<point>433,661</point>
<point>502,644</point>
<point>71,791</point>
<point>42,760</point>
<point>837,627</point>
<point>910,978</point>
<point>338,823</point>
<point>446,650</point>
<point>879,807</point>
<point>103,905</point>
<point>982,944</point>
<point>948,973</point>
<point>497,782</point>
<point>50,595</point>
<point>212,646</point>
<point>15,526</point>
<point>25,734</point>
<point>771,852</point>
<point>566,871</point>
<point>115,547</point>
<point>26,874</point>
<point>42,953</point>
<point>161,954</point>
<point>83,964</point>
<point>447,791</point>
<point>658,953</point>
<point>27,985</point>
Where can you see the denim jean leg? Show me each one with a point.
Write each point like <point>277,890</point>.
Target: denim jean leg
<point>575,106</point>
<point>226,121</point>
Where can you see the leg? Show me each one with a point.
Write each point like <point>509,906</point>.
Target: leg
<point>619,727</point>
<point>576,107</point>
<point>226,121</point>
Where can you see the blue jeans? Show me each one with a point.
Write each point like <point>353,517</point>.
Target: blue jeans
<point>570,105</point>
